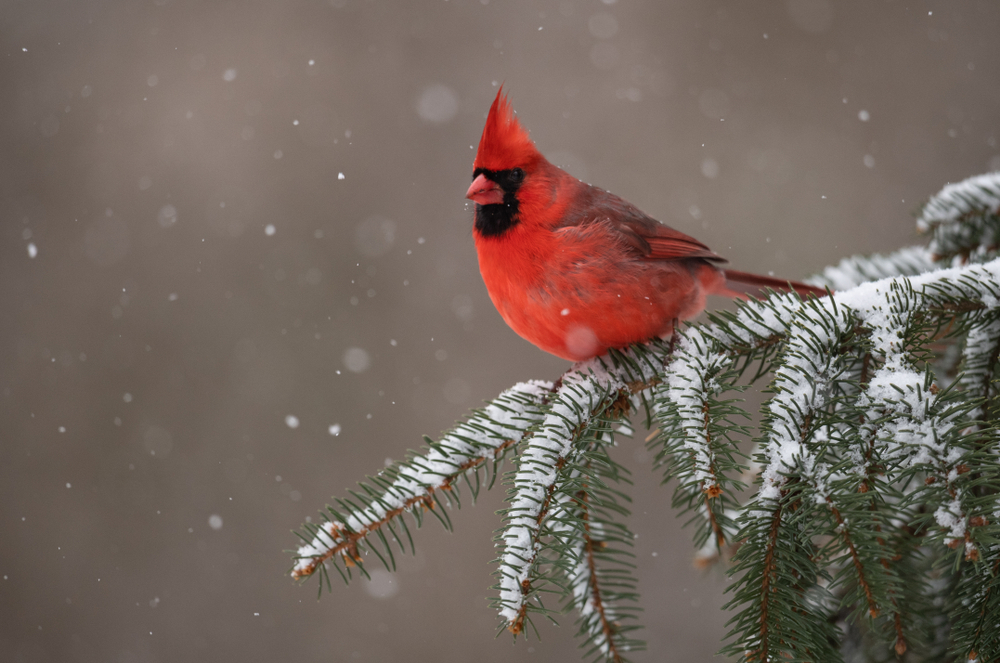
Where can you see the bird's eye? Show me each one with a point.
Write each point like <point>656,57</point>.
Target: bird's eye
<point>517,175</point>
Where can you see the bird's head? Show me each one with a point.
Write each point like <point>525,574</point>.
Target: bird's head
<point>506,164</point>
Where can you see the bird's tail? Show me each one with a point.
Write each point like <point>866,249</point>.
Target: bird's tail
<point>742,284</point>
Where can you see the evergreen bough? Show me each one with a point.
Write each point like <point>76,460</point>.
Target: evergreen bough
<point>872,531</point>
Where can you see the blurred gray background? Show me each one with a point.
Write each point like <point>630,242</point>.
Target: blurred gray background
<point>207,331</point>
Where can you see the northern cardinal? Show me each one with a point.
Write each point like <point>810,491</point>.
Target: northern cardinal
<point>577,270</point>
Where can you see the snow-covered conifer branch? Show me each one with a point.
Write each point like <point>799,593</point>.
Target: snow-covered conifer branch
<point>856,270</point>
<point>537,554</point>
<point>965,218</point>
<point>695,437</point>
<point>979,357</point>
<point>976,604</point>
<point>877,508</point>
<point>797,495</point>
<point>416,484</point>
<point>826,427</point>
<point>596,562</point>
<point>698,432</point>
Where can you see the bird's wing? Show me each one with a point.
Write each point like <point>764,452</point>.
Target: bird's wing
<point>641,233</point>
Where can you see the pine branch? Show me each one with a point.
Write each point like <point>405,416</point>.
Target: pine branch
<point>979,594</point>
<point>900,402</point>
<point>598,565</point>
<point>874,530</point>
<point>965,219</point>
<point>979,358</point>
<point>417,483</point>
<point>856,270</point>
<point>696,436</point>
<point>794,485</point>
<point>590,396</point>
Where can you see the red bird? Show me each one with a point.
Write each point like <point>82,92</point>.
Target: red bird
<point>577,270</point>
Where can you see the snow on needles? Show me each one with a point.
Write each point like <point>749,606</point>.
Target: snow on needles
<point>581,575</point>
<point>570,411</point>
<point>965,218</point>
<point>980,344</point>
<point>856,270</point>
<point>802,385</point>
<point>898,403</point>
<point>975,194</point>
<point>504,419</point>
<point>689,382</point>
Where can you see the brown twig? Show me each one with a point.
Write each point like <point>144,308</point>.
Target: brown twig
<point>873,610</point>
<point>763,653</point>
<point>900,639</point>
<point>962,306</point>
<point>608,628</point>
<point>712,490</point>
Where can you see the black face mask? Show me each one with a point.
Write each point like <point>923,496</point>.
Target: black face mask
<point>495,220</point>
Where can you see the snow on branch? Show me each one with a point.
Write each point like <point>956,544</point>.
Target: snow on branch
<point>851,395</point>
<point>696,436</point>
<point>416,483</point>
<point>882,311</point>
<point>795,481</point>
<point>877,501</point>
<point>804,384</point>
<point>596,558</point>
<point>856,270</point>
<point>964,217</point>
<point>689,385</point>
<point>973,195</point>
<point>549,466</point>
<point>979,357</point>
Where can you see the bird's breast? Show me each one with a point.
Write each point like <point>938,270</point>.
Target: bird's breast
<point>576,299</point>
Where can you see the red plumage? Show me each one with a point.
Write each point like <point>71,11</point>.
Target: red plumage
<point>577,270</point>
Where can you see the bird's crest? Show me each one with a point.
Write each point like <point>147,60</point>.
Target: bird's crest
<point>505,143</point>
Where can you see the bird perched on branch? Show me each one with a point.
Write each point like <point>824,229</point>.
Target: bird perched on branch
<point>577,270</point>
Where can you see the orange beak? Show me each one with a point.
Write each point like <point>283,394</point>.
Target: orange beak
<point>485,191</point>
